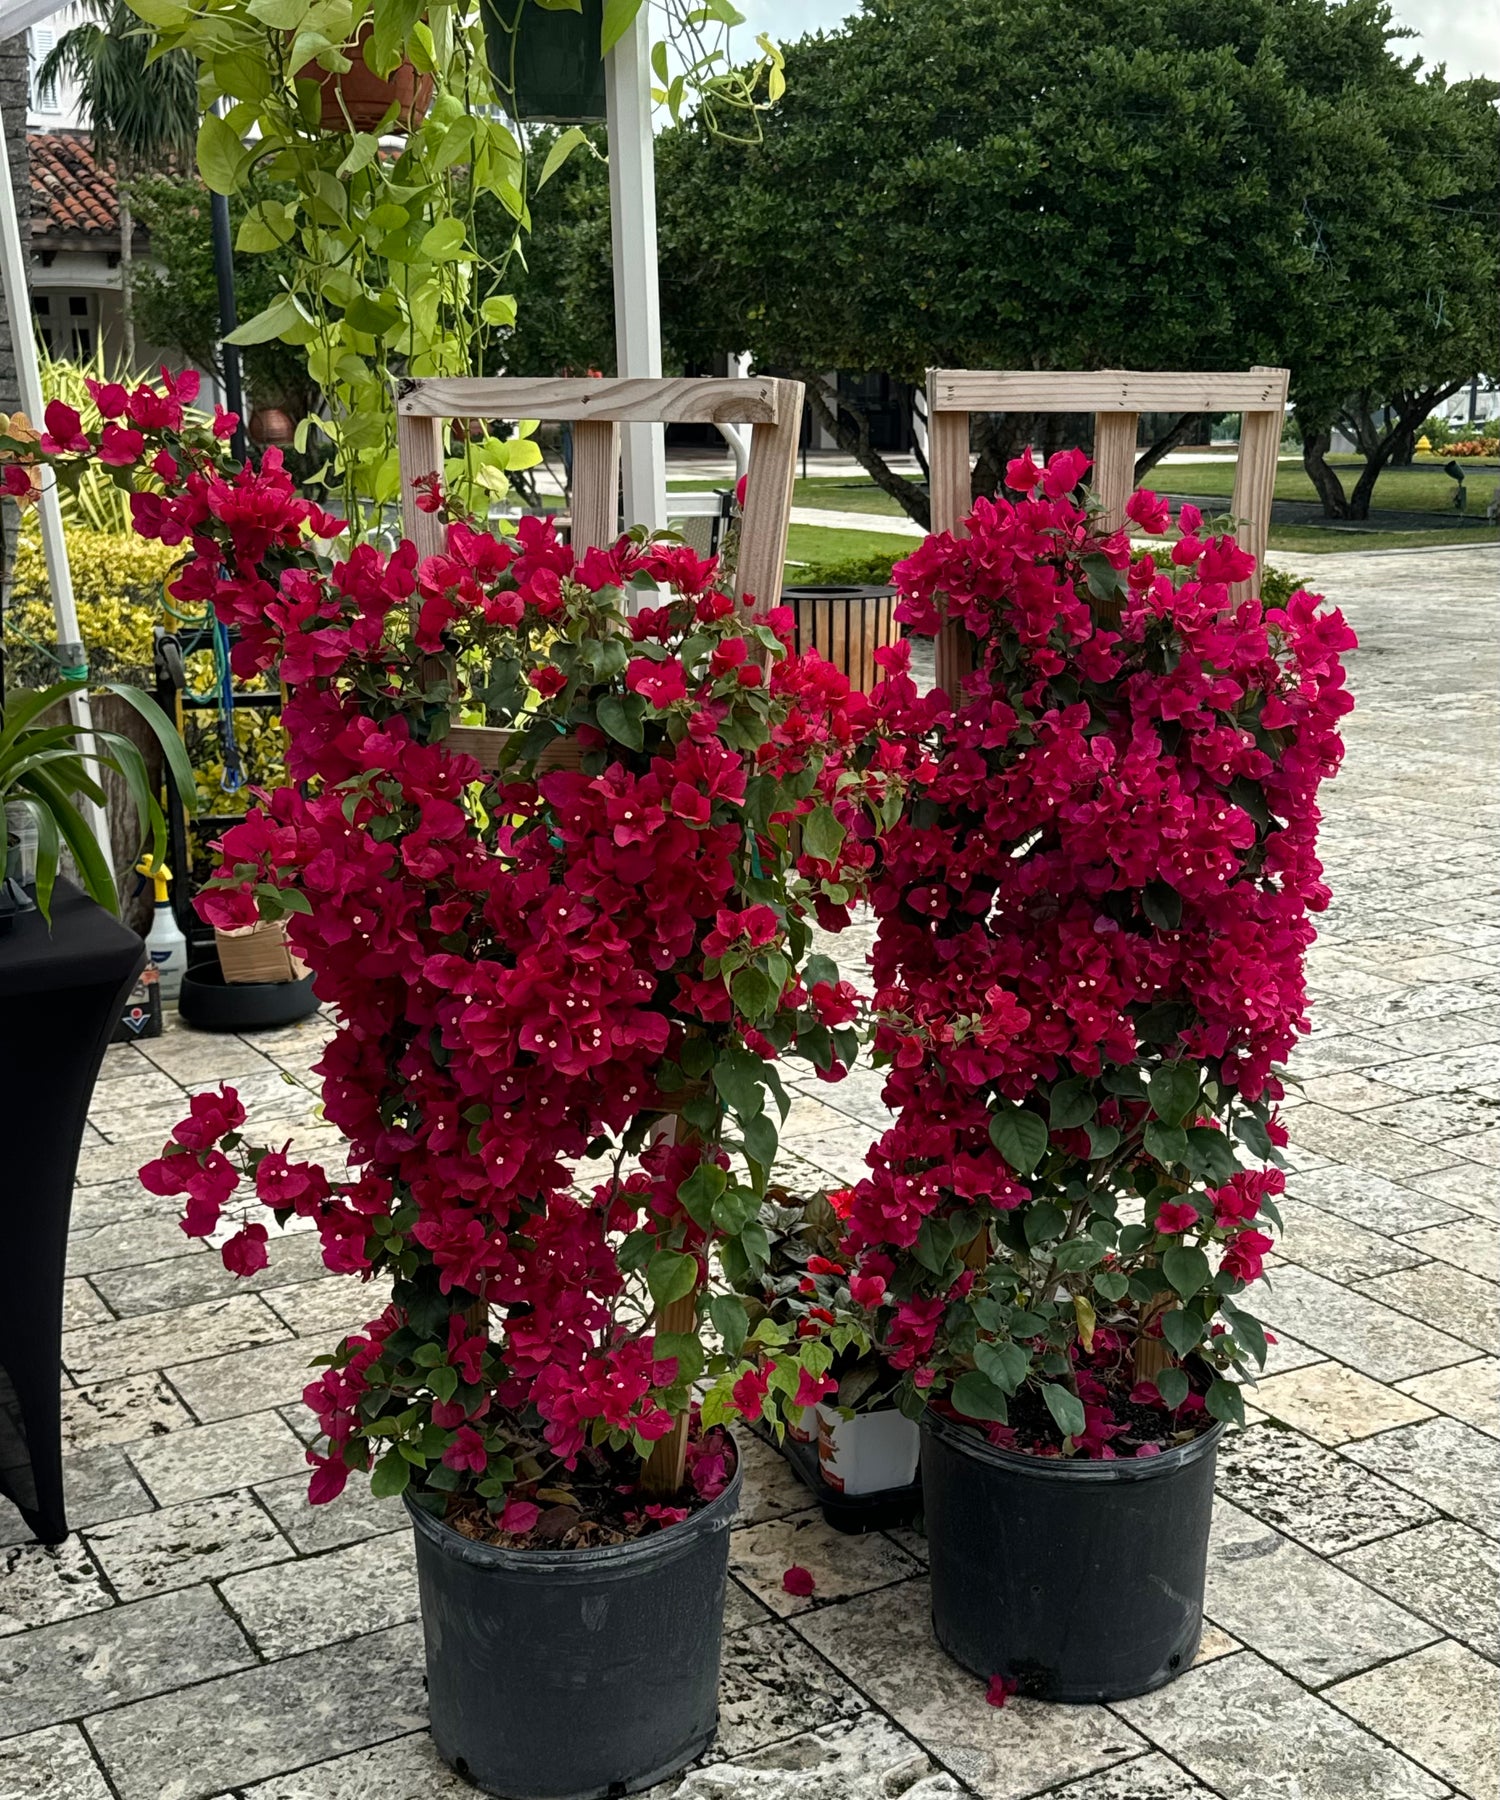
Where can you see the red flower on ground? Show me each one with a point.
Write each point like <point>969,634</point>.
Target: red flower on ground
<point>1000,1688</point>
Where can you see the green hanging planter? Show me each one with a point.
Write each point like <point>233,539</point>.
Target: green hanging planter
<point>546,64</point>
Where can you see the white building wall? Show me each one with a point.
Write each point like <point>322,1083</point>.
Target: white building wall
<point>55,109</point>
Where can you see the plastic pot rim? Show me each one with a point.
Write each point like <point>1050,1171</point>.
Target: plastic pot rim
<point>966,1440</point>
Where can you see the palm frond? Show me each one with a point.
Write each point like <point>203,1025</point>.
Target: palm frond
<point>141,112</point>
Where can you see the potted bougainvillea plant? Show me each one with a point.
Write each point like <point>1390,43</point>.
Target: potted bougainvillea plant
<point>562,988</point>
<point>855,1449</point>
<point>1093,914</point>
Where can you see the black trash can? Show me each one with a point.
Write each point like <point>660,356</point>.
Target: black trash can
<point>1082,1579</point>
<point>574,1674</point>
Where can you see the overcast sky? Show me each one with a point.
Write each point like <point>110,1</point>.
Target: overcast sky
<point>1464,34</point>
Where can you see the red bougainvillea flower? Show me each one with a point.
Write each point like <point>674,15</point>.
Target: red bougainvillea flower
<point>210,1117</point>
<point>1150,511</point>
<point>519,1516</point>
<point>120,447</point>
<point>1175,1217</point>
<point>798,1581</point>
<point>663,684</point>
<point>1000,1688</point>
<point>1245,1255</point>
<point>64,434</point>
<point>466,1451</point>
<point>245,1252</point>
<point>749,1393</point>
<point>812,1388</point>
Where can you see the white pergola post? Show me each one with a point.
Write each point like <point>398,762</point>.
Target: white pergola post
<point>632,216</point>
<point>738,436</point>
<point>70,648</point>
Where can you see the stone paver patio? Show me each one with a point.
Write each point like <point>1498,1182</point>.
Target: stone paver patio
<point>205,1634</point>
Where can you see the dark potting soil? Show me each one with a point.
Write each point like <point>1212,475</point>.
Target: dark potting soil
<point>599,1502</point>
<point>1134,1425</point>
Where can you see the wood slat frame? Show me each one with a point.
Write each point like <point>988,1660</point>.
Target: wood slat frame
<point>597,408</point>
<point>1117,398</point>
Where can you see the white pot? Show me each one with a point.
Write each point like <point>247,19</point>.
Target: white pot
<point>869,1453</point>
<point>804,1430</point>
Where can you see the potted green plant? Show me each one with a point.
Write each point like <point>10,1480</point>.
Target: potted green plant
<point>410,289</point>
<point>47,762</point>
<point>854,1448</point>
<point>360,89</point>
<point>1093,913</point>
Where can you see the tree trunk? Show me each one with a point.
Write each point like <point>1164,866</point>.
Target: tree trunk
<point>1164,445</point>
<point>1364,486</point>
<point>851,432</point>
<point>1315,448</point>
<point>127,246</point>
<point>1380,443</point>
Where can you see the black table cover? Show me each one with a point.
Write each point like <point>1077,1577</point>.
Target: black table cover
<point>61,993</point>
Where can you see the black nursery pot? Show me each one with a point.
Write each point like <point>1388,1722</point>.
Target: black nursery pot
<point>574,1674</point>
<point>1082,1579</point>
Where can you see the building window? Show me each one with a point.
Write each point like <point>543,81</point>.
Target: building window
<point>67,324</point>
<point>43,99</point>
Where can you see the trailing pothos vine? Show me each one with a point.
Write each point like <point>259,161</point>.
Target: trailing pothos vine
<point>390,276</point>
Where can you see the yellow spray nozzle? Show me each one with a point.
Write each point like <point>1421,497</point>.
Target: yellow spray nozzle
<point>157,877</point>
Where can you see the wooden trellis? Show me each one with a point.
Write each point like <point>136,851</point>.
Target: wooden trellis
<point>597,409</point>
<point>1117,398</point>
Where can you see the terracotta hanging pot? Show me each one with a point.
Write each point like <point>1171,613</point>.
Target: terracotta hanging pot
<point>358,100</point>
<point>271,425</point>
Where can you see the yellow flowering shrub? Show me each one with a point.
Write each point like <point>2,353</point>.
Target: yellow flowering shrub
<point>117,581</point>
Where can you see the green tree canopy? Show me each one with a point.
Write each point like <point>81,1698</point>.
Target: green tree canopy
<point>1035,183</point>
<point>175,300</point>
<point>561,274</point>
<point>1401,305</point>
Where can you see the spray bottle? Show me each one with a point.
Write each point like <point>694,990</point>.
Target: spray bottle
<point>165,944</point>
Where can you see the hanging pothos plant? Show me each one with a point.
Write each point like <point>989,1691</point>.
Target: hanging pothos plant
<point>388,275</point>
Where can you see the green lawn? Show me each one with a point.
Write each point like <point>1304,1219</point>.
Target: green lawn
<point>1419,489</point>
<point>1317,541</point>
<point>838,493</point>
<point>818,544</point>
<point>1422,489</point>
<point>845,493</point>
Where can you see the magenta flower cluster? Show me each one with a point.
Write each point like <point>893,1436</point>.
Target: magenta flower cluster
<point>1093,914</point>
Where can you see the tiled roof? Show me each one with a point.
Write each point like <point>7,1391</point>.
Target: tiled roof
<point>71,195</point>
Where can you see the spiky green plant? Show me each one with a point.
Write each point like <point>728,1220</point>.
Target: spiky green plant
<point>46,766</point>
